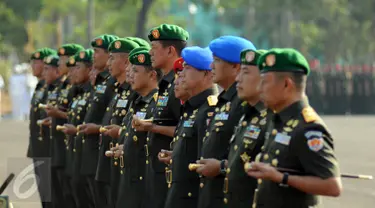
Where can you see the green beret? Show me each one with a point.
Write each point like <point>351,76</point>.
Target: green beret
<point>71,62</point>
<point>168,32</point>
<point>122,45</point>
<point>251,57</point>
<point>69,49</point>
<point>135,50</point>
<point>283,60</point>
<point>141,57</point>
<point>84,56</point>
<point>52,60</point>
<point>42,53</point>
<point>103,41</point>
<point>141,42</point>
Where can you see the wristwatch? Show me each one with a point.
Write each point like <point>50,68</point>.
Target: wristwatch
<point>223,170</point>
<point>284,182</point>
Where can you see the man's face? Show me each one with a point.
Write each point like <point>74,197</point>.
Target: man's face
<point>247,82</point>
<point>271,89</point>
<point>159,54</point>
<point>63,69</point>
<point>179,91</point>
<point>192,77</point>
<point>221,69</point>
<point>50,73</point>
<point>100,58</point>
<point>37,67</point>
<point>140,77</point>
<point>71,75</point>
<point>81,73</point>
<point>117,64</point>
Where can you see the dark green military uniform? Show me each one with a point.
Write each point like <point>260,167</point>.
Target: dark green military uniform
<point>132,162</point>
<point>115,109</point>
<point>245,144</point>
<point>184,184</point>
<point>167,113</point>
<point>296,139</point>
<point>125,97</point>
<point>62,196</point>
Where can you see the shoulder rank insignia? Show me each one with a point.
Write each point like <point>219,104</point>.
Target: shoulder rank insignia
<point>309,114</point>
<point>243,103</point>
<point>155,96</point>
<point>212,100</point>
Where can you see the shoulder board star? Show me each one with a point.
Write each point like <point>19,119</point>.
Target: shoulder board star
<point>309,114</point>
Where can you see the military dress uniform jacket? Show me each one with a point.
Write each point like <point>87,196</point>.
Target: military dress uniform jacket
<point>132,162</point>
<point>184,184</point>
<point>64,95</point>
<point>228,111</point>
<point>77,112</point>
<point>122,120</point>
<point>166,113</point>
<point>103,93</point>
<point>36,144</point>
<point>115,111</point>
<point>245,144</point>
<point>296,139</point>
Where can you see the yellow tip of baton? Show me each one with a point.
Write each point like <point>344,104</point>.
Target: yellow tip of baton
<point>102,129</point>
<point>60,128</point>
<point>194,166</point>
<point>42,106</point>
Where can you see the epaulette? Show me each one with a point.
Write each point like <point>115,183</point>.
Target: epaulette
<point>156,96</point>
<point>212,100</point>
<point>309,114</point>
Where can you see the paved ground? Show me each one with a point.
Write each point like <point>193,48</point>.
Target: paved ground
<point>355,142</point>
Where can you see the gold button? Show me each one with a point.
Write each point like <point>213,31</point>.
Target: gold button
<point>265,157</point>
<point>170,161</point>
<point>189,194</point>
<point>257,158</point>
<point>274,132</point>
<point>207,134</point>
<point>74,150</point>
<point>107,109</point>
<point>201,185</point>
<point>115,163</point>
<point>183,135</point>
<point>274,162</point>
<point>140,178</point>
<point>83,141</point>
<point>126,134</point>
<point>235,147</point>
<point>122,172</point>
<point>260,181</point>
<point>263,148</point>
<point>244,123</point>
<point>135,138</point>
<point>147,139</point>
<point>277,152</point>
<point>225,201</point>
<point>254,205</point>
<point>216,109</point>
<point>228,170</point>
<point>146,162</point>
<point>185,115</point>
<point>217,130</point>
<point>169,185</point>
<point>202,158</point>
<point>131,110</point>
<point>78,117</point>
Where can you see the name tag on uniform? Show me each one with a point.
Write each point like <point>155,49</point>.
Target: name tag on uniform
<point>188,123</point>
<point>162,101</point>
<point>82,102</point>
<point>74,104</point>
<point>141,115</point>
<point>122,103</point>
<point>221,116</point>
<point>252,132</point>
<point>282,139</point>
<point>101,89</point>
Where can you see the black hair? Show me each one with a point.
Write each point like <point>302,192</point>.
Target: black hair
<point>177,44</point>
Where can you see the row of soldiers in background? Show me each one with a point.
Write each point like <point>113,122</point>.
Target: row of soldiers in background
<point>336,91</point>
<point>123,129</point>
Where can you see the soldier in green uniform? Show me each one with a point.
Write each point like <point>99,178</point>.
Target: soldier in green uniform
<point>38,149</point>
<point>144,80</point>
<point>297,162</point>
<point>197,80</point>
<point>228,110</point>
<point>82,63</point>
<point>61,192</point>
<point>247,139</point>
<point>167,42</point>
<point>102,95</point>
<point>117,108</point>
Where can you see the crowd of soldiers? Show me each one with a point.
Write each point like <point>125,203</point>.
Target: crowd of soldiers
<point>334,90</point>
<point>135,124</point>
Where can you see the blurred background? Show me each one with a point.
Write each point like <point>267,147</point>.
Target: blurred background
<point>337,37</point>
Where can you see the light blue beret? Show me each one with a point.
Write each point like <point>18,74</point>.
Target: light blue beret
<point>229,48</point>
<point>197,57</point>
